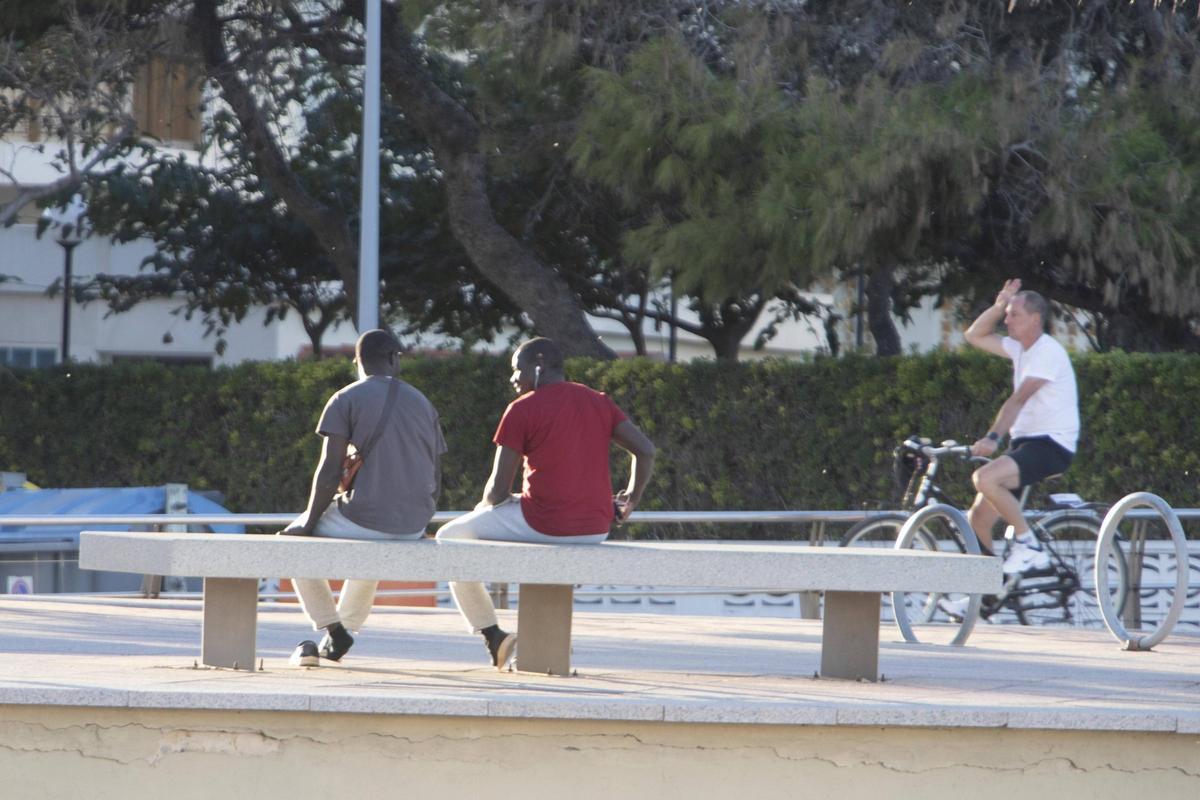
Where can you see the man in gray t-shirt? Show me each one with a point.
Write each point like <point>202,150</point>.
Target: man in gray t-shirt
<point>394,494</point>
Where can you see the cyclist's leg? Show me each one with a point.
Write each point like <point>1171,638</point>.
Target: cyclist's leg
<point>995,482</point>
<point>983,520</point>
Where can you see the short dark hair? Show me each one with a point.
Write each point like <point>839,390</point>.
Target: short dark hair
<point>551,354</point>
<point>1036,304</point>
<point>376,346</point>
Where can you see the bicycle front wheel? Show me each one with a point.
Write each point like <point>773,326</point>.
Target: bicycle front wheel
<point>876,531</point>
<point>882,531</point>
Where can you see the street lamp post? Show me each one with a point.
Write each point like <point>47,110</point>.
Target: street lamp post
<point>368,237</point>
<point>68,246</point>
<point>70,224</point>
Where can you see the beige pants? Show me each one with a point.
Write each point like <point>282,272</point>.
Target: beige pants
<point>316,596</point>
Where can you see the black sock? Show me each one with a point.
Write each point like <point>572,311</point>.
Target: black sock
<point>493,635</point>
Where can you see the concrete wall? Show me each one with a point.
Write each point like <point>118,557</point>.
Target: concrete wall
<point>55,751</point>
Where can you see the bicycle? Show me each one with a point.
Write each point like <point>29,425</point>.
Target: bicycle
<point>1042,597</point>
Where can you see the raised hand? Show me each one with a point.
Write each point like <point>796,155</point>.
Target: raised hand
<point>1011,287</point>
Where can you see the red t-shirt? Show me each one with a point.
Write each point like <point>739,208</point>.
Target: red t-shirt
<point>563,430</point>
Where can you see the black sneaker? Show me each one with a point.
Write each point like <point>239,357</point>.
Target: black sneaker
<point>501,646</point>
<point>336,643</point>
<point>305,655</point>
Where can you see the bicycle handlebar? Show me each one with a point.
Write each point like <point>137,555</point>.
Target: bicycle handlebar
<point>947,448</point>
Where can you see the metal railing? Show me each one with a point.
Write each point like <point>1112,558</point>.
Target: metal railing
<point>267,520</point>
<point>638,517</point>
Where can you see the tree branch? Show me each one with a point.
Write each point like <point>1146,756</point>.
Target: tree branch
<point>327,223</point>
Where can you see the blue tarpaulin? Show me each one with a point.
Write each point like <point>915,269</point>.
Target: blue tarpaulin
<point>137,500</point>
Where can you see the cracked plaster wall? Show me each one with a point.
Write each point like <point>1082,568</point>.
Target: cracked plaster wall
<point>50,752</point>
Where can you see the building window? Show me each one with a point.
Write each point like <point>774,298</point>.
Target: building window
<point>28,357</point>
<point>166,99</point>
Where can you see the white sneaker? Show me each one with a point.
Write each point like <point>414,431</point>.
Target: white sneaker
<point>955,608</point>
<point>1026,557</point>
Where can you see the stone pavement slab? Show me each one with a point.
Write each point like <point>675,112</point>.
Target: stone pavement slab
<point>59,650</point>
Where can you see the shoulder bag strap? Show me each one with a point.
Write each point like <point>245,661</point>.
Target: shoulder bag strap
<point>393,389</point>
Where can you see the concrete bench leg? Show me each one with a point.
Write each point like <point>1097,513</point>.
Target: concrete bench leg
<point>544,628</point>
<point>230,625</point>
<point>850,636</point>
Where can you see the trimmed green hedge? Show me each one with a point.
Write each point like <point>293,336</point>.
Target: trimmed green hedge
<point>761,435</point>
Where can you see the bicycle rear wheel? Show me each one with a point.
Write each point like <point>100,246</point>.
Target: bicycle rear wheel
<point>1074,534</point>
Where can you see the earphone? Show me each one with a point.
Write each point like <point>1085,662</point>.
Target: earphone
<point>537,376</point>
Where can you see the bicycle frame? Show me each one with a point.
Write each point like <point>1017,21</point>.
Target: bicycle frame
<point>927,492</point>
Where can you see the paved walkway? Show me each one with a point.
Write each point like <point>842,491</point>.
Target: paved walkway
<point>121,653</point>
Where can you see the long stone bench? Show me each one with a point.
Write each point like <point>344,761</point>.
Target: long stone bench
<point>853,580</point>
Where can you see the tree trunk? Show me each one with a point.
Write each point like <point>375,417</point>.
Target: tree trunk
<point>726,325</point>
<point>634,324</point>
<point>879,311</point>
<point>454,137</point>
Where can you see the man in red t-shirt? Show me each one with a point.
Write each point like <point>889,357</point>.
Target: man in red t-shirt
<point>561,432</point>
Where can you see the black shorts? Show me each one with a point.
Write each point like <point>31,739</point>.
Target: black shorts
<point>1038,457</point>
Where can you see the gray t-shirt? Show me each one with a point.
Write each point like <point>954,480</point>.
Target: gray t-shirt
<point>395,490</point>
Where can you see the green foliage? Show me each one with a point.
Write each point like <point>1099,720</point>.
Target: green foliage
<point>762,435</point>
<point>684,147</point>
<point>1123,191</point>
<point>225,241</point>
<point>874,174</point>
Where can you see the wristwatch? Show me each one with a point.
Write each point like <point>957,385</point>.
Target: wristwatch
<point>995,437</point>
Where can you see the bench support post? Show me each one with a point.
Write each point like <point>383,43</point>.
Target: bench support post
<point>544,628</point>
<point>227,638</point>
<point>850,638</point>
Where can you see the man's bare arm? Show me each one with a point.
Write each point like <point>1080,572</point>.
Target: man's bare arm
<point>982,333</point>
<point>1008,415</point>
<point>324,485</point>
<point>631,438</point>
<point>504,470</point>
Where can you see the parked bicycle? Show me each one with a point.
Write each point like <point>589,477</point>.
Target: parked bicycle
<point>1045,596</point>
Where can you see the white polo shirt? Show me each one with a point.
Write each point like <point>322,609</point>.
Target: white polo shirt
<point>1054,408</point>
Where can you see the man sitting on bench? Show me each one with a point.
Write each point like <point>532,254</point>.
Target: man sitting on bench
<point>394,495</point>
<point>561,432</point>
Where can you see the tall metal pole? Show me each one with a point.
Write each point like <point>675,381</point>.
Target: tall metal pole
<point>368,238</point>
<point>671,341</point>
<point>858,312</point>
<point>68,250</point>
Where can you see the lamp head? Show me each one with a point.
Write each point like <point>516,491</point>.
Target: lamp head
<point>71,220</point>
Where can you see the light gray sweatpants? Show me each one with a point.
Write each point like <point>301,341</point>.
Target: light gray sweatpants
<point>499,523</point>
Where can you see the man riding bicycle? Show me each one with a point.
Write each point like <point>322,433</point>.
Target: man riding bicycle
<point>1041,415</point>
